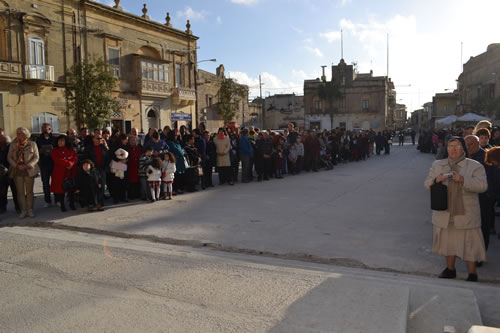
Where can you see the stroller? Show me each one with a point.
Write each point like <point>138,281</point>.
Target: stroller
<point>325,160</point>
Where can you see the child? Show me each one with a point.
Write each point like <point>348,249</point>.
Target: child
<point>277,157</point>
<point>299,146</point>
<point>168,173</point>
<point>292,159</point>
<point>144,163</point>
<point>154,178</point>
<point>89,183</point>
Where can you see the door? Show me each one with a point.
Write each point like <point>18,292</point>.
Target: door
<point>152,119</point>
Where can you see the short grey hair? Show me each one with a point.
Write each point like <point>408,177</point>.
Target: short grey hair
<point>472,136</point>
<point>24,130</point>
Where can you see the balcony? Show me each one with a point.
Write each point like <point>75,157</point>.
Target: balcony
<point>39,73</point>
<point>154,88</point>
<point>183,96</point>
<point>10,71</point>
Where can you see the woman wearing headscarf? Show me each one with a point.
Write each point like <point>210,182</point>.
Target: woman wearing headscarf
<point>23,158</point>
<point>457,230</point>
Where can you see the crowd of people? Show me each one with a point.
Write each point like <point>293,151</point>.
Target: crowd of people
<point>93,168</point>
<point>468,163</point>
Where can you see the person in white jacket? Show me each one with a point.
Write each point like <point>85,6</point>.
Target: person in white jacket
<point>168,173</point>
<point>154,178</point>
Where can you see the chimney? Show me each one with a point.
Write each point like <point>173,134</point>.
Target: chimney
<point>323,77</point>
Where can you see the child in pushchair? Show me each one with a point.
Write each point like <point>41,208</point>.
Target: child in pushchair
<point>325,160</point>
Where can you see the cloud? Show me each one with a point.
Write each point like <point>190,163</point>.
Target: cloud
<point>244,2</point>
<point>314,50</point>
<point>331,36</point>
<point>271,83</point>
<point>218,20</point>
<point>345,2</point>
<point>190,14</point>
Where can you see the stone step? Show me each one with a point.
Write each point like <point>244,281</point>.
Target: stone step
<point>347,304</point>
<point>432,308</point>
<point>483,329</point>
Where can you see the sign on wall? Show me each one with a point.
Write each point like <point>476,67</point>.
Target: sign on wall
<point>180,116</point>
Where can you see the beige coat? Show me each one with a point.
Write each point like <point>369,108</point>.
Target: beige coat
<point>31,157</point>
<point>222,146</point>
<point>474,183</point>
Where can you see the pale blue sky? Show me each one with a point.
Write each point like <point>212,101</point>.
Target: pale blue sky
<point>286,41</point>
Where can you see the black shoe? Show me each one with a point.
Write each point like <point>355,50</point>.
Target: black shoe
<point>72,206</point>
<point>472,277</point>
<point>479,263</point>
<point>448,274</point>
<point>63,208</point>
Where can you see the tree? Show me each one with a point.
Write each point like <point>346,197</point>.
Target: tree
<point>88,91</point>
<point>329,91</point>
<point>228,95</point>
<point>486,106</point>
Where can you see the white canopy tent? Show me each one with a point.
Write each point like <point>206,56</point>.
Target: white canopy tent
<point>472,117</point>
<point>447,120</point>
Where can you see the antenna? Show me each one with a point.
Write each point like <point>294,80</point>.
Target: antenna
<point>461,56</point>
<point>387,55</point>
<point>341,44</point>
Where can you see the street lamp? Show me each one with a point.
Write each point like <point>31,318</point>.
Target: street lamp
<point>196,86</point>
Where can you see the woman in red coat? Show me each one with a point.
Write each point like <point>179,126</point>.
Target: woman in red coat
<point>65,167</point>
<point>134,153</point>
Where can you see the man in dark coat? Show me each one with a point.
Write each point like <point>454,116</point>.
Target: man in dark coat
<point>46,142</point>
<point>5,180</point>
<point>312,149</point>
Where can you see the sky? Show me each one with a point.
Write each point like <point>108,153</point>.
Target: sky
<point>287,41</point>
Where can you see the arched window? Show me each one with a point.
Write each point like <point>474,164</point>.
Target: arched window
<point>44,117</point>
<point>3,40</point>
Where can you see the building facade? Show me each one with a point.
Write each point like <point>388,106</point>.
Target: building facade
<point>365,101</point>
<point>207,87</point>
<point>400,115</point>
<point>282,109</point>
<point>478,83</point>
<point>41,39</point>
<point>443,105</point>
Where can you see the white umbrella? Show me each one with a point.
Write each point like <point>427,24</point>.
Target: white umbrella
<point>472,117</point>
<point>447,120</point>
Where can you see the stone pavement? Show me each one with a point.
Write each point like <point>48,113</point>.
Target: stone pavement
<point>373,214</point>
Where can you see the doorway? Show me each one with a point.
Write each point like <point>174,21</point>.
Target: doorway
<point>152,119</point>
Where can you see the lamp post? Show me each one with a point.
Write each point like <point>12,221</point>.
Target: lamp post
<point>196,86</point>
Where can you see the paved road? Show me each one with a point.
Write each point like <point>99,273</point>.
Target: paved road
<point>60,281</point>
<point>373,214</point>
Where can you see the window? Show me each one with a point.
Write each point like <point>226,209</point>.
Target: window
<point>114,61</point>
<point>36,52</point>
<point>318,106</point>
<point>44,117</point>
<point>178,75</point>
<point>154,72</point>
<point>209,101</point>
<point>364,104</point>
<point>491,92</point>
<point>342,82</point>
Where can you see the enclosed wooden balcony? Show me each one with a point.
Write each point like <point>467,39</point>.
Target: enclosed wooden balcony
<point>183,96</point>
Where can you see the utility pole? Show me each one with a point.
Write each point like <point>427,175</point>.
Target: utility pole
<point>261,101</point>
<point>387,55</point>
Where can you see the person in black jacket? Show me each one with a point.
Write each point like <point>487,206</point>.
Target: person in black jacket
<point>210,160</point>
<point>46,142</point>
<point>89,183</point>
<point>98,153</point>
<point>264,150</point>
<point>5,180</point>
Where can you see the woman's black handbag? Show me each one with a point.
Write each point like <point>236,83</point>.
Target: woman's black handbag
<point>439,196</point>
<point>68,184</point>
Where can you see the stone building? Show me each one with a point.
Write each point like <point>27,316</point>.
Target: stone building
<point>479,80</point>
<point>366,101</point>
<point>419,120</point>
<point>41,39</point>
<point>443,105</point>
<point>400,115</point>
<point>208,85</point>
<point>282,109</point>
